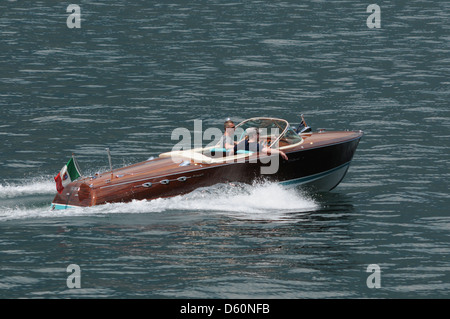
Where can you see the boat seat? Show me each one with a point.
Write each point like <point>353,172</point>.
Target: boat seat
<point>188,155</point>
<point>244,152</point>
<point>197,157</point>
<point>218,150</point>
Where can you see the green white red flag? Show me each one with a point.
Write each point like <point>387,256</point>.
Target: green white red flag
<point>68,174</point>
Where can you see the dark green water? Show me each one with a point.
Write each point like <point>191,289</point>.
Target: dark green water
<point>136,70</point>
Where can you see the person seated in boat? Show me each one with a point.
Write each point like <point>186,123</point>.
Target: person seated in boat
<point>226,141</point>
<point>251,143</point>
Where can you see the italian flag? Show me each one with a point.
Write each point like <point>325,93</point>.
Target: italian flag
<point>67,174</point>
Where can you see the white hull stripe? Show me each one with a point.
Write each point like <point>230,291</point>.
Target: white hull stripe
<point>62,206</point>
<point>310,178</point>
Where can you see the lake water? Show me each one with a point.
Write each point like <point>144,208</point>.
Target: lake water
<point>136,70</point>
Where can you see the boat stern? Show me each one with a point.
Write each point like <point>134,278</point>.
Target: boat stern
<point>76,194</point>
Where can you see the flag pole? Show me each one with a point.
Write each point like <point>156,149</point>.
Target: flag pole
<point>110,164</point>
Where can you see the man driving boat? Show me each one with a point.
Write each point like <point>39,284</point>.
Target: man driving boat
<point>252,143</point>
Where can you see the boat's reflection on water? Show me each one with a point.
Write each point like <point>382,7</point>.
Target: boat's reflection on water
<point>265,231</point>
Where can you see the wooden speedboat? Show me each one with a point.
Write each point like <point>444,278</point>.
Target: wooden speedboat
<point>316,160</point>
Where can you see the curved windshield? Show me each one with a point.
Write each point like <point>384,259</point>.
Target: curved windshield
<point>263,123</point>
<point>290,137</point>
<point>272,131</point>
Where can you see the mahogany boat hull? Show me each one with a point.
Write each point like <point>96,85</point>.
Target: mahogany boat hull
<point>319,163</point>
